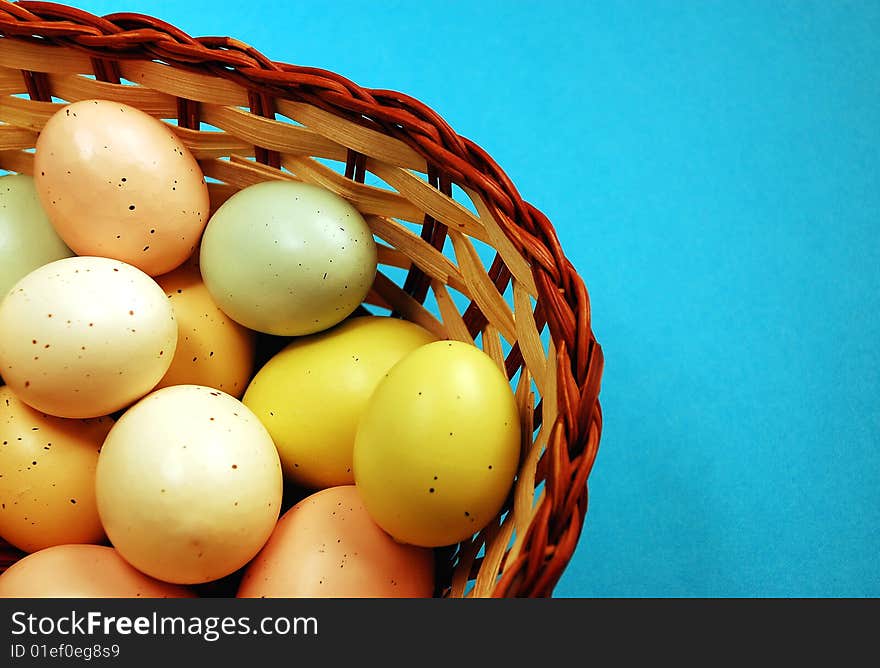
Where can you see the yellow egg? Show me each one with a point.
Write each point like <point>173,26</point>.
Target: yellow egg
<point>438,445</point>
<point>47,476</point>
<point>311,395</point>
<point>212,349</point>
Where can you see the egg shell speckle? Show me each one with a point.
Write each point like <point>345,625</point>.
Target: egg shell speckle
<point>85,336</point>
<point>116,182</point>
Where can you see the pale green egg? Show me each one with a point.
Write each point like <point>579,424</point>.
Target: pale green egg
<point>27,238</point>
<point>287,258</point>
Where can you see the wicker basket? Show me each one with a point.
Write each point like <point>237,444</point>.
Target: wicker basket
<point>442,206</point>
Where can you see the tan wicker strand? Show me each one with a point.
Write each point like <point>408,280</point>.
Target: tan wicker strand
<point>497,536</point>
<point>451,317</point>
<point>528,337</point>
<point>74,87</point>
<point>430,200</point>
<point>429,259</point>
<point>524,488</point>
<point>26,113</point>
<point>205,145</point>
<point>17,161</point>
<point>367,199</point>
<point>43,58</point>
<point>516,264</point>
<point>492,345</point>
<point>373,298</point>
<point>392,257</point>
<point>12,137</point>
<point>240,175</point>
<point>408,307</point>
<point>465,560</point>
<point>265,132</point>
<point>184,83</point>
<point>249,119</point>
<point>11,80</point>
<point>484,293</point>
<point>363,140</point>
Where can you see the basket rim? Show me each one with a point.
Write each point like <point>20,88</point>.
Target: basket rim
<point>450,158</point>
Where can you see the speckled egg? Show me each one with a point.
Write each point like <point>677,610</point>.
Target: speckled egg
<point>287,258</point>
<point>212,349</point>
<point>85,336</point>
<point>188,484</point>
<point>327,546</point>
<point>27,238</point>
<point>119,183</point>
<point>47,484</point>
<point>82,571</point>
<point>438,445</point>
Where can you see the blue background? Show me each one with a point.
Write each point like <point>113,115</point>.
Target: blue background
<point>713,170</point>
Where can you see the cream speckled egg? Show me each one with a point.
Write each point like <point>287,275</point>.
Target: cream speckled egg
<point>47,476</point>
<point>85,336</point>
<point>119,183</point>
<point>188,484</point>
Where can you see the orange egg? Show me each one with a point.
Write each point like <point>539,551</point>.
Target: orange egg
<point>47,476</point>
<point>327,546</point>
<point>212,350</point>
<point>82,571</point>
<point>118,183</point>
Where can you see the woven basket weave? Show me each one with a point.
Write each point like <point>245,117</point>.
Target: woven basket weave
<point>441,204</point>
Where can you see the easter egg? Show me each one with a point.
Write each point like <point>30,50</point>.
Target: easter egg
<point>188,484</point>
<point>287,258</point>
<point>212,349</point>
<point>83,337</point>
<point>118,183</point>
<point>47,485</point>
<point>311,395</point>
<point>27,238</point>
<point>327,546</point>
<point>438,445</point>
<point>81,571</point>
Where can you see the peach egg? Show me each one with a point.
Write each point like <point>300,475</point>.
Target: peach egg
<point>116,182</point>
<point>82,571</point>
